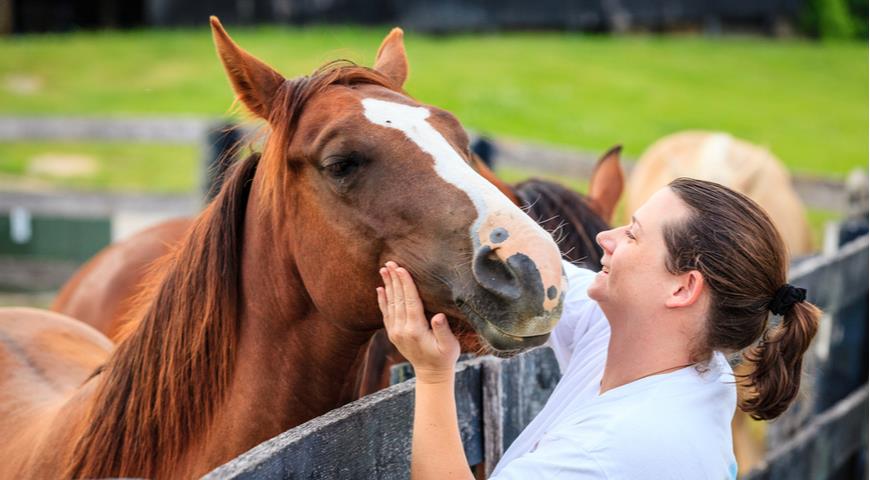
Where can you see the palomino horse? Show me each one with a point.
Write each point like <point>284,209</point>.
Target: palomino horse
<point>278,275</point>
<point>735,163</point>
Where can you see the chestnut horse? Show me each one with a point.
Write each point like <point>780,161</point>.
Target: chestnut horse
<point>278,275</point>
<point>735,163</point>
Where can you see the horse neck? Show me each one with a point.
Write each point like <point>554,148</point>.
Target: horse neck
<point>292,363</point>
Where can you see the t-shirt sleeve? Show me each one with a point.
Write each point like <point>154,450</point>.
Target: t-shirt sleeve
<point>555,457</point>
<point>579,312</point>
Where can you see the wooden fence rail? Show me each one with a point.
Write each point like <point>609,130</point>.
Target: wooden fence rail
<point>822,446</point>
<point>371,438</point>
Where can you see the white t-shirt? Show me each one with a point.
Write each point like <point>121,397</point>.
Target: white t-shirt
<point>674,425</point>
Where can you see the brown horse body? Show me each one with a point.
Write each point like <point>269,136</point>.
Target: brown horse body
<point>259,319</point>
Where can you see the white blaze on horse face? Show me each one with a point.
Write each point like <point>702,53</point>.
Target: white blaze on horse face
<point>494,210</point>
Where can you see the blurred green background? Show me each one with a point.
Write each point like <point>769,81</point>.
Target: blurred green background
<point>805,100</point>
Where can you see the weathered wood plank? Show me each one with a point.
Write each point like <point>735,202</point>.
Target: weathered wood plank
<point>837,280</point>
<point>33,274</point>
<point>821,446</point>
<point>162,130</point>
<point>369,438</point>
<point>527,382</point>
<point>79,204</point>
<point>515,390</point>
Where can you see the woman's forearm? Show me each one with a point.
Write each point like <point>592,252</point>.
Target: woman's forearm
<point>436,448</point>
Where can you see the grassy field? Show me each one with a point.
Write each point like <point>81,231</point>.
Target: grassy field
<point>806,101</point>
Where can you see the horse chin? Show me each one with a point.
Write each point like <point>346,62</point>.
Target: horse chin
<point>495,341</point>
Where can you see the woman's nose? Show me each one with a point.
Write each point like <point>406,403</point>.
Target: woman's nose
<point>605,240</point>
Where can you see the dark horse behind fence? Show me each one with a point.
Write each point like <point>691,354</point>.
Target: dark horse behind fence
<point>278,275</point>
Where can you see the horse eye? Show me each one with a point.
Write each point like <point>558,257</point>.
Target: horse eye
<point>343,167</point>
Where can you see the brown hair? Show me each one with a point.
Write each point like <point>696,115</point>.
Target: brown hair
<point>732,242</point>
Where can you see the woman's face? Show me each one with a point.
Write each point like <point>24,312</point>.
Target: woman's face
<point>633,276</point>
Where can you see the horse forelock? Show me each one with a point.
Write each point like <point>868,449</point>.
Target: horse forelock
<point>287,107</point>
<point>163,383</point>
<point>568,216</point>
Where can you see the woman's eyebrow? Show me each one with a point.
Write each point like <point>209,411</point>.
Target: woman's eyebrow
<point>634,221</point>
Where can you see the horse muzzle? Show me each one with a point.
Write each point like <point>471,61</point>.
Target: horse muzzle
<point>509,306</point>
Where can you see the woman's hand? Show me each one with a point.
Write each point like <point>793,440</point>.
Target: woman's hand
<point>433,352</point>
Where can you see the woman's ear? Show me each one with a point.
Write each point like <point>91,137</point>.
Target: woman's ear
<point>254,82</point>
<point>687,290</point>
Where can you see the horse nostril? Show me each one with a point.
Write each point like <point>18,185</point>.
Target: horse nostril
<point>495,275</point>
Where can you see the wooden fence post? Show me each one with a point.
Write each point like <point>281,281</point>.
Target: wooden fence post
<point>515,390</point>
<point>493,415</point>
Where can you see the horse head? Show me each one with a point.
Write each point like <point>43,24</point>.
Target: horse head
<point>356,172</point>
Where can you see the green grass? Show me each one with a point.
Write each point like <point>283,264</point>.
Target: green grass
<point>805,101</point>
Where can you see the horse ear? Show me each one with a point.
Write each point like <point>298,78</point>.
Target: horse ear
<point>391,59</point>
<point>254,82</point>
<point>607,183</point>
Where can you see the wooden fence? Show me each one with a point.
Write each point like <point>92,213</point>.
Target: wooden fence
<point>496,399</point>
<point>65,228</point>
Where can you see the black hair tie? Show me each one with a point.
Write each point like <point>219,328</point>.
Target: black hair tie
<point>785,298</point>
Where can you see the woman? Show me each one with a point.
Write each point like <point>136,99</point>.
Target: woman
<point>646,390</point>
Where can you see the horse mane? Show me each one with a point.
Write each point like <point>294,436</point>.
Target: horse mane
<point>162,385</point>
<point>568,216</point>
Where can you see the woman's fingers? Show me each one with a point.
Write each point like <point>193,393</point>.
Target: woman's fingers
<point>413,304</point>
<point>382,301</point>
<point>398,295</point>
<point>388,296</point>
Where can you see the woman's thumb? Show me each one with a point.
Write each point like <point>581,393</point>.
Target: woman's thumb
<point>441,329</point>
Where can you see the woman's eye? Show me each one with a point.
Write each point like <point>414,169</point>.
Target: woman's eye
<point>629,234</point>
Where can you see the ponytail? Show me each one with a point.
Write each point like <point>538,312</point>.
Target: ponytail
<point>736,247</point>
<point>775,379</point>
